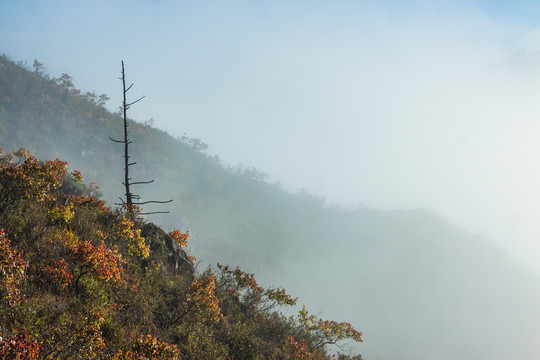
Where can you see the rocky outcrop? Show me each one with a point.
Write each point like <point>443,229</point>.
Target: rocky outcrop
<point>166,250</point>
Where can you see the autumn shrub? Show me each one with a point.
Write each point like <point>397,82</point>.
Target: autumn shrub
<point>148,347</point>
<point>12,270</point>
<point>19,347</point>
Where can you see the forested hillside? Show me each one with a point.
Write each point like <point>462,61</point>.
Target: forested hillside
<point>417,286</point>
<point>81,281</point>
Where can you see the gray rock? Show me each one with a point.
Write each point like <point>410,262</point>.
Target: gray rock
<point>166,250</point>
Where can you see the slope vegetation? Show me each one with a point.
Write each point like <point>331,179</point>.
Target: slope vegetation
<point>81,281</point>
<point>418,287</point>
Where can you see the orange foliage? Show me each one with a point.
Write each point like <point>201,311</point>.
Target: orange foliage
<point>59,273</point>
<point>151,348</point>
<point>19,347</point>
<point>179,237</point>
<point>30,178</point>
<point>12,270</point>
<point>298,350</point>
<point>240,280</point>
<point>99,260</point>
<point>89,202</point>
<point>325,331</point>
<point>202,299</point>
<point>280,297</point>
<point>236,281</point>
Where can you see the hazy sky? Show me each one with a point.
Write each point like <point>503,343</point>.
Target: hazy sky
<point>383,103</point>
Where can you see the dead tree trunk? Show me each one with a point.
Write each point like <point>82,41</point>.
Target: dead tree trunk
<point>129,202</point>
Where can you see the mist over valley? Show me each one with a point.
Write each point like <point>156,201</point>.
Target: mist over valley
<point>417,286</point>
<point>379,160</point>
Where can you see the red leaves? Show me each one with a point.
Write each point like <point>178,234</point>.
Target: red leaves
<point>298,350</point>
<point>99,260</point>
<point>12,270</point>
<point>59,273</point>
<point>19,347</point>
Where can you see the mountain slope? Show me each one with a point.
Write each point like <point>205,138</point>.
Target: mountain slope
<point>79,281</point>
<point>418,287</point>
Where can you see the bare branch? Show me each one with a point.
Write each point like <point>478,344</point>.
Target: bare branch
<point>118,141</point>
<point>141,182</point>
<point>153,202</point>
<point>136,101</point>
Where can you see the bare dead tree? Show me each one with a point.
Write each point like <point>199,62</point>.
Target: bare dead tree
<point>131,198</point>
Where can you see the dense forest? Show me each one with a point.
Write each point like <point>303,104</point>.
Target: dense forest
<point>417,286</point>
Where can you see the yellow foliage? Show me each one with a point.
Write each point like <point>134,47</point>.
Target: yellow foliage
<point>202,299</point>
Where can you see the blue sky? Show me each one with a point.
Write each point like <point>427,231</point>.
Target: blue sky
<point>390,104</point>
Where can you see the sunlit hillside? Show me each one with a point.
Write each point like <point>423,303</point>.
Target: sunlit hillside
<point>417,286</point>
<point>82,281</point>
